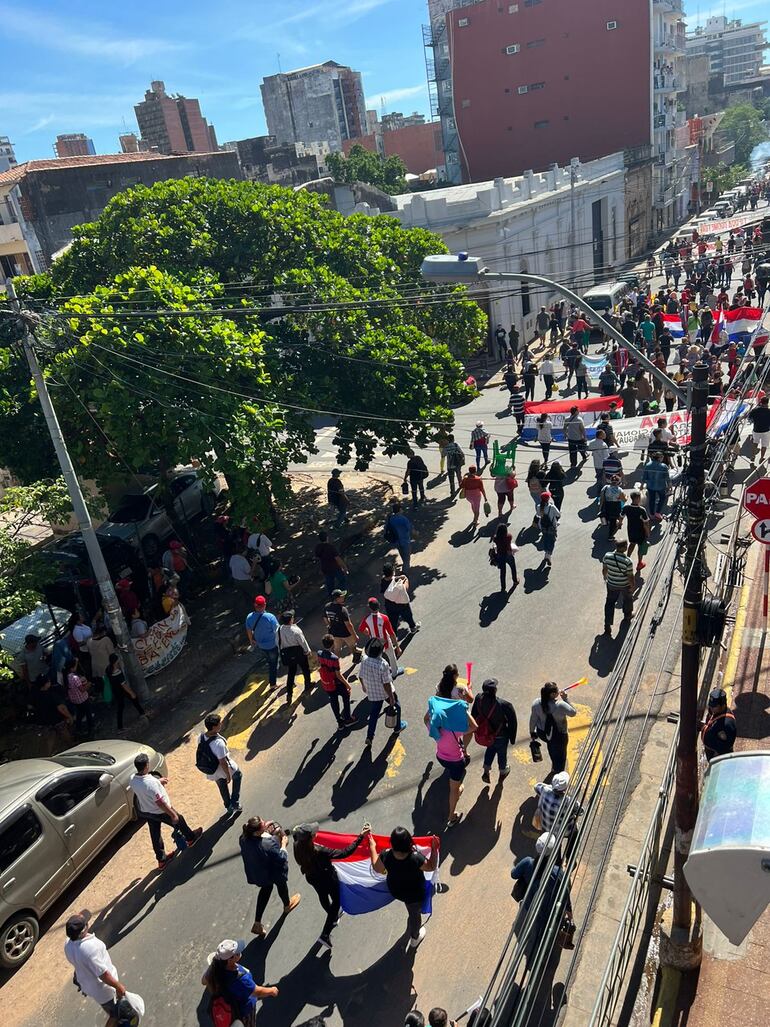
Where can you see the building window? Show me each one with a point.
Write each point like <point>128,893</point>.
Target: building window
<point>611,25</point>
<point>462,23</point>
<point>513,8</point>
<point>542,124</point>
<point>536,85</point>
<point>534,43</point>
<point>523,89</point>
<point>526,304</point>
<point>465,103</point>
<point>532,3</point>
<point>513,49</point>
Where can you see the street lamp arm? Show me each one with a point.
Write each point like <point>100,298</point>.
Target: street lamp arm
<point>521,276</point>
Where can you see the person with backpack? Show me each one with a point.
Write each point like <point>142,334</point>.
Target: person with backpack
<point>455,458</point>
<point>212,758</point>
<point>340,625</point>
<point>154,807</point>
<point>294,650</point>
<point>315,864</point>
<point>266,864</point>
<point>334,683</point>
<point>496,727</point>
<point>235,995</point>
<point>548,722</point>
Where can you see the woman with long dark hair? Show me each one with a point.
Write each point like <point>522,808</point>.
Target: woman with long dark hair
<point>548,723</point>
<point>404,867</point>
<point>263,850</point>
<point>315,862</point>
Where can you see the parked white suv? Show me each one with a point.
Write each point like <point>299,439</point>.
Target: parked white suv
<point>141,520</point>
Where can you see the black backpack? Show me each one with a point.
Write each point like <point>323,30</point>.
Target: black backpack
<point>205,760</point>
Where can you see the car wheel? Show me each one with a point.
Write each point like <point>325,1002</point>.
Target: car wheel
<point>151,546</point>
<point>208,502</point>
<point>18,938</point>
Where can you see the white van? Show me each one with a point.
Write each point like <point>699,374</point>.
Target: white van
<point>606,296</point>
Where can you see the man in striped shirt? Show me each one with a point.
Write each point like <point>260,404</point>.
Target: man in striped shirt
<point>377,625</point>
<point>618,574</point>
<point>517,406</point>
<point>376,680</point>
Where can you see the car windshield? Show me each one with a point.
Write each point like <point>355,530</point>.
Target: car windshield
<point>132,508</point>
<point>84,759</point>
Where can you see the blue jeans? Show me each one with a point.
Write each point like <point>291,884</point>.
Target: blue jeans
<point>271,655</point>
<point>403,552</point>
<point>334,701</point>
<point>498,748</point>
<point>481,451</point>
<point>374,712</point>
<point>657,499</point>
<point>334,580</point>
<point>224,789</point>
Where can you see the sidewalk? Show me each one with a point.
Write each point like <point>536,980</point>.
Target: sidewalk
<point>733,981</point>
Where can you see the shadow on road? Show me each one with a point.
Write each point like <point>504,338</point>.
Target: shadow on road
<point>477,833</point>
<point>358,780</point>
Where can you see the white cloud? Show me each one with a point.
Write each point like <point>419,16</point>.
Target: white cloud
<point>40,124</point>
<point>390,96</point>
<point>97,42</point>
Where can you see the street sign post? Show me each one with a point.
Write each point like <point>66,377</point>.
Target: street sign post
<point>756,499</point>
<point>761,530</point>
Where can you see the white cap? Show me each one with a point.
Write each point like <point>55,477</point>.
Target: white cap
<point>560,782</point>
<point>226,950</point>
<point>546,842</point>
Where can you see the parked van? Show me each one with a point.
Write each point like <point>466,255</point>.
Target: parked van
<point>607,296</point>
<point>724,208</point>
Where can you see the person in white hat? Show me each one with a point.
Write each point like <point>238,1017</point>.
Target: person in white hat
<point>228,981</point>
<point>549,800</point>
<point>480,443</point>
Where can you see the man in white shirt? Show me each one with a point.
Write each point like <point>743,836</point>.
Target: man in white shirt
<point>242,574</point>
<point>154,806</point>
<point>94,970</point>
<point>227,775</point>
<point>261,545</point>
<point>598,449</point>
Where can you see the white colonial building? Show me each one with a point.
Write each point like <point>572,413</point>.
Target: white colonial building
<point>567,224</point>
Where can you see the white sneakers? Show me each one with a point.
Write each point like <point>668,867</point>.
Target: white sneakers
<point>414,942</point>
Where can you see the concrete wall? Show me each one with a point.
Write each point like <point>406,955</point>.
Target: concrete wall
<point>57,199</point>
<point>420,147</point>
<point>592,92</point>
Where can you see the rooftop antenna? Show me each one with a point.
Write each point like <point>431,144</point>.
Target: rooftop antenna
<point>382,104</point>
<point>278,57</point>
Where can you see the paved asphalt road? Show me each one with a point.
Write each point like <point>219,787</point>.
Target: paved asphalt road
<point>160,927</point>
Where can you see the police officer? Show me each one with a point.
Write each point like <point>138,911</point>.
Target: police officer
<point>719,730</point>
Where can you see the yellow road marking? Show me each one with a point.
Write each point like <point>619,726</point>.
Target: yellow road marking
<point>736,641</point>
<point>247,713</point>
<point>410,670</point>
<point>395,759</point>
<point>579,726</point>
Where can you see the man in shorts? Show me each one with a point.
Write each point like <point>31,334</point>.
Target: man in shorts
<point>760,422</point>
<point>340,625</point>
<point>638,526</point>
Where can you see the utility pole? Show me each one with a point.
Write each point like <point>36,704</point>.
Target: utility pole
<point>132,667</point>
<point>686,797</point>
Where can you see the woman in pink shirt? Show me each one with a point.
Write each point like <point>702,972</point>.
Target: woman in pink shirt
<point>472,487</point>
<point>77,696</point>
<point>450,753</point>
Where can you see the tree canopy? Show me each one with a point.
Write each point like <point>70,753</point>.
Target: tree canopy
<point>362,165</point>
<point>745,125</point>
<point>162,348</point>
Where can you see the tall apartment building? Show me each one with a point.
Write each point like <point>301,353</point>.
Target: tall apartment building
<point>323,103</point>
<point>672,170</point>
<point>7,153</point>
<point>524,85</point>
<point>173,124</point>
<point>734,49</point>
<point>76,144</point>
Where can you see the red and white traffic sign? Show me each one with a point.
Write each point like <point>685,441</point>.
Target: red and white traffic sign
<point>761,530</point>
<point>756,498</point>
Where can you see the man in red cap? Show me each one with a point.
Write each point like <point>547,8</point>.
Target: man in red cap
<point>262,629</point>
<point>128,599</point>
<point>377,625</point>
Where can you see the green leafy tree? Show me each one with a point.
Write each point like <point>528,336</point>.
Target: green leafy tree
<point>240,391</point>
<point>724,177</point>
<point>362,165</point>
<point>22,571</point>
<point>745,125</point>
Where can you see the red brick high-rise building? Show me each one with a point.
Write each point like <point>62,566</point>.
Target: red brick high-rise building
<point>173,124</point>
<point>76,144</point>
<point>523,85</point>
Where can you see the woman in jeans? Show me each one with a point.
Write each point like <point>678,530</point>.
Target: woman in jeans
<point>404,867</point>
<point>294,650</point>
<point>504,553</point>
<point>315,862</point>
<point>263,851</point>
<point>548,721</point>
<point>497,718</point>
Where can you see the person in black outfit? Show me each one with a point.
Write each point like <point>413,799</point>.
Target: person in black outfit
<point>719,730</point>
<point>263,850</point>
<point>121,690</point>
<point>315,862</point>
<point>405,866</point>
<point>529,377</point>
<point>416,472</point>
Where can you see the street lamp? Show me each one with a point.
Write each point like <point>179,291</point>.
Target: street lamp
<point>461,268</point>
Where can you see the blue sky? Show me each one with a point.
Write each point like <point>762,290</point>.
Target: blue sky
<point>81,66</point>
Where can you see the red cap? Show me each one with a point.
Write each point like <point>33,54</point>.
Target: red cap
<point>260,601</point>
<point>173,544</point>
<point>545,495</point>
<point>373,599</point>
<point>123,583</point>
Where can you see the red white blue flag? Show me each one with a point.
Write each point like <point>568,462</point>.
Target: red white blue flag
<point>743,323</point>
<point>674,324</point>
<point>361,889</point>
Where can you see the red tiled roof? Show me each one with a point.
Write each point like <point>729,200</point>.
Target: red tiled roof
<point>17,173</point>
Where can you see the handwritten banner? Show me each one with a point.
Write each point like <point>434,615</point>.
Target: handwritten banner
<point>163,642</point>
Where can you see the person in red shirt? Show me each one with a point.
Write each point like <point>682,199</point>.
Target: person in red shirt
<point>748,287</point>
<point>334,683</point>
<point>377,625</point>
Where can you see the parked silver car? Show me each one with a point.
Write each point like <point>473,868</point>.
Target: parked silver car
<point>55,816</point>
